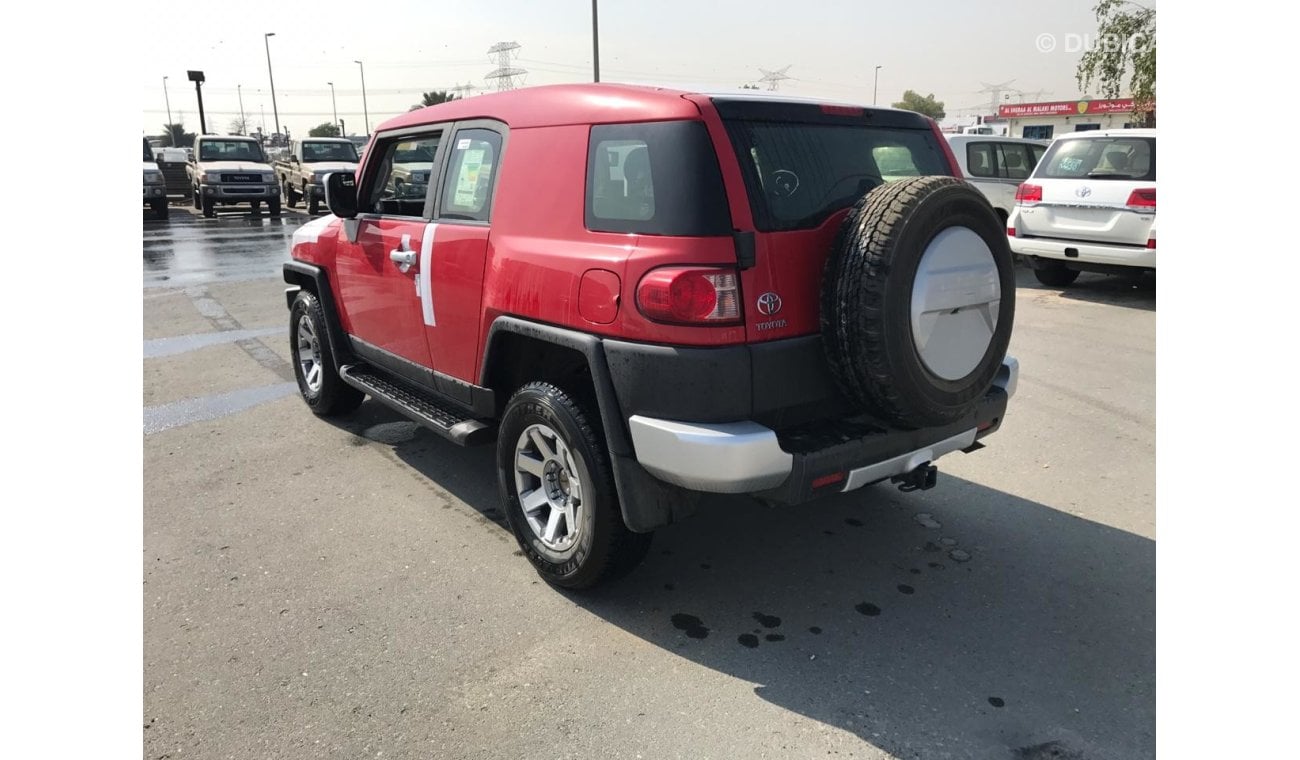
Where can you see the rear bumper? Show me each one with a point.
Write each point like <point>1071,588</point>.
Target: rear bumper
<point>1084,252</point>
<point>746,457</point>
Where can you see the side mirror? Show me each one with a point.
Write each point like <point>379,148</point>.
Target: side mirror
<point>341,194</point>
<point>293,158</point>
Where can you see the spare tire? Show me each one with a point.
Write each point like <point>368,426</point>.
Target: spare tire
<point>918,297</point>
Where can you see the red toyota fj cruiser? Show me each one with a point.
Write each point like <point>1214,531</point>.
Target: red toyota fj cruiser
<point>644,295</point>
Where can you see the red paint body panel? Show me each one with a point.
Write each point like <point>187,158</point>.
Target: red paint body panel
<point>458,257</point>
<point>378,301</point>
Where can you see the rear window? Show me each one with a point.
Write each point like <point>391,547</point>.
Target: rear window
<point>659,178</point>
<point>799,173</point>
<point>1100,158</point>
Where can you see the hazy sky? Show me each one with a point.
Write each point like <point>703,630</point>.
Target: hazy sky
<point>831,47</point>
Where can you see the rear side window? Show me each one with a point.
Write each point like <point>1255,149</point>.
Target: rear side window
<point>659,178</point>
<point>798,173</point>
<point>1101,158</point>
<point>467,191</point>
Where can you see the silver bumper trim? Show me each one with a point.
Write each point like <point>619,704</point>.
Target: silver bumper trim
<point>728,457</point>
<point>905,463</point>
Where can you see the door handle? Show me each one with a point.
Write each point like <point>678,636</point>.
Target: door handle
<point>403,256</point>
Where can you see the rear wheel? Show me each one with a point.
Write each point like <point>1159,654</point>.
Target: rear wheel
<point>197,203</point>
<point>558,489</point>
<point>290,199</point>
<point>273,206</point>
<point>313,203</point>
<point>313,362</point>
<point>1055,274</point>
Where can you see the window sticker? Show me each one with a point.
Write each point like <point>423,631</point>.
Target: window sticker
<point>472,172</point>
<point>462,144</point>
<point>1071,164</point>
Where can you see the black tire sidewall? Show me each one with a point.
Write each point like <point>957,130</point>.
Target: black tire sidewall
<point>585,561</point>
<point>334,396</point>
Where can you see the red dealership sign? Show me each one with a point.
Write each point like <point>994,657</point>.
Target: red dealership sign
<point>1066,108</point>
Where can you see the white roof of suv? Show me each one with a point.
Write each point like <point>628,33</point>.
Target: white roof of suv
<point>1107,133</point>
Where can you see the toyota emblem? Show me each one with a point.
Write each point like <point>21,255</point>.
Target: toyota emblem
<point>769,304</point>
<point>1084,191</point>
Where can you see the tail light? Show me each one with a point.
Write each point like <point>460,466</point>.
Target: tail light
<point>1011,231</point>
<point>1151,243</point>
<point>690,295</point>
<point>1142,199</point>
<point>1027,194</point>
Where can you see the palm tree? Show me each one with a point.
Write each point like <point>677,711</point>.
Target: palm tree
<point>176,136</point>
<point>434,98</point>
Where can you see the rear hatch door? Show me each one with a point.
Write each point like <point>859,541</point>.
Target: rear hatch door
<point>1087,185</point>
<point>801,167</point>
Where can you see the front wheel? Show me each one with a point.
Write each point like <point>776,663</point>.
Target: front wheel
<point>313,203</point>
<point>273,206</point>
<point>558,489</point>
<point>209,208</point>
<point>313,361</point>
<point>1056,275</point>
<point>159,206</point>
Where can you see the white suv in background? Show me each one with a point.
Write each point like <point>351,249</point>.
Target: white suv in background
<point>1090,206</point>
<point>997,165</point>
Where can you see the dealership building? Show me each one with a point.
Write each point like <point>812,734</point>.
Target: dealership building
<point>1043,121</point>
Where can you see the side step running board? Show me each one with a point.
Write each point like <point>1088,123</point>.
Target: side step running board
<point>425,408</point>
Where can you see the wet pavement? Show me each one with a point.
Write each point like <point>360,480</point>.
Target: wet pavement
<point>322,590</point>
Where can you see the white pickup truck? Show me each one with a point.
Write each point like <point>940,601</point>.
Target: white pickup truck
<point>302,172</point>
<point>230,169</point>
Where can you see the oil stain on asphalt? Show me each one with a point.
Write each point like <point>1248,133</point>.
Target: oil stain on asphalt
<point>691,625</point>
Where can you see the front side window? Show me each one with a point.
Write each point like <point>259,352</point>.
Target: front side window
<point>657,178</point>
<point>230,150</point>
<point>979,160</point>
<point>401,180</point>
<point>467,192</point>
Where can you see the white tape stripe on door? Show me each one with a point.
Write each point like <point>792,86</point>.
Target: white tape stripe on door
<point>426,274</point>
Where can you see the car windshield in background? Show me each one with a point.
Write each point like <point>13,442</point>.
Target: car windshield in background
<point>1131,158</point>
<point>329,152</point>
<point>798,174</point>
<point>229,150</point>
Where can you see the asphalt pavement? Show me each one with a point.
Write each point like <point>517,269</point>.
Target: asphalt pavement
<point>348,590</point>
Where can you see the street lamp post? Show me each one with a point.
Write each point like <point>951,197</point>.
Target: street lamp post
<point>168,100</point>
<point>243,127</point>
<point>336,104</point>
<point>876,88</point>
<point>274,108</point>
<point>595,44</point>
<point>364,107</point>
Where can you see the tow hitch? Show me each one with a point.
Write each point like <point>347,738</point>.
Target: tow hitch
<point>922,478</point>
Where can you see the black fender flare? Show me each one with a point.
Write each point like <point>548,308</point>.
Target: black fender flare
<point>299,275</point>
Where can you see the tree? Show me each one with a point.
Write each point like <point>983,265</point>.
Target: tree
<point>1126,42</point>
<point>324,129</point>
<point>176,137</point>
<point>239,125</point>
<point>434,98</point>
<point>927,105</point>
